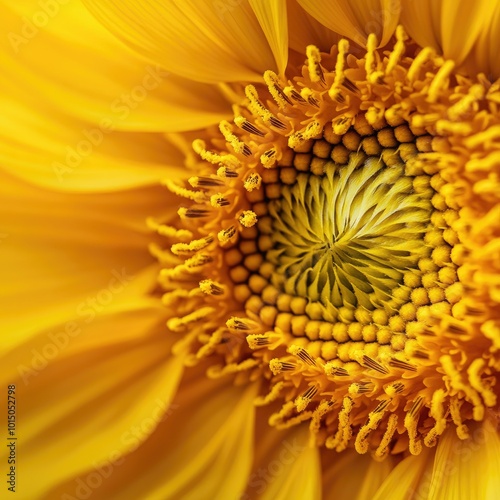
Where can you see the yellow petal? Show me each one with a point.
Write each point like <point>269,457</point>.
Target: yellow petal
<point>291,472</point>
<point>72,155</point>
<point>411,476</point>
<point>356,19</point>
<point>66,256</point>
<point>468,469</point>
<point>284,465</point>
<point>85,410</point>
<point>205,40</point>
<point>304,30</point>
<point>272,16</point>
<point>449,26</point>
<point>201,450</point>
<point>484,56</point>
<point>91,75</point>
<point>351,476</point>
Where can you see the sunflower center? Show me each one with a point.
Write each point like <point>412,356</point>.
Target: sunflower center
<point>324,246</point>
<point>346,238</point>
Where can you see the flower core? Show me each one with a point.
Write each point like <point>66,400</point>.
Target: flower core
<point>328,249</point>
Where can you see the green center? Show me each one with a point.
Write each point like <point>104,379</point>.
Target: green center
<point>346,238</point>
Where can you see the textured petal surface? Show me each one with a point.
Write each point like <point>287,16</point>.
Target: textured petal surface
<point>206,40</point>
<point>94,76</point>
<point>357,19</point>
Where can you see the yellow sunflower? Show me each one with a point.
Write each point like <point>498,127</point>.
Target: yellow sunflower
<point>250,249</point>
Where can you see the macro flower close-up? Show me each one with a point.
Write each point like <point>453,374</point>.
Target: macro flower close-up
<point>250,249</point>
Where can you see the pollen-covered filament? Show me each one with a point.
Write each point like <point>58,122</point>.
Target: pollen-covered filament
<point>325,250</point>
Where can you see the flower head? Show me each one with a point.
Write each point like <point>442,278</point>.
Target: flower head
<point>327,257</point>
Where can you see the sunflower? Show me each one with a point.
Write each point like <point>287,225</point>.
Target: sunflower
<point>251,249</point>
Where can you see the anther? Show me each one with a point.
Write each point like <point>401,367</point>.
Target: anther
<point>258,341</point>
<point>260,110</point>
<point>313,63</point>
<point>192,247</point>
<point>205,182</point>
<point>237,145</point>
<point>226,172</point>
<point>214,158</point>
<point>331,369</point>
<point>211,287</point>
<point>242,325</point>
<point>335,91</point>
<point>224,235</point>
<point>411,423</point>
<point>192,213</point>
<point>218,200</point>
<point>268,159</point>
<point>302,354</point>
<point>277,366</point>
<point>303,400</point>
<point>275,89</point>
<point>403,365</point>
<point>247,126</point>
<point>293,94</point>
<point>374,365</point>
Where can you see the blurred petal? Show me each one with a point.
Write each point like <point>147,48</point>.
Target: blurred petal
<point>284,465</point>
<point>202,449</point>
<point>467,469</point>
<point>292,470</point>
<point>70,155</point>
<point>484,56</point>
<point>62,250</point>
<point>89,408</point>
<point>410,476</point>
<point>449,26</point>
<point>351,476</point>
<point>94,76</point>
<point>356,19</point>
<point>304,30</point>
<point>206,40</point>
